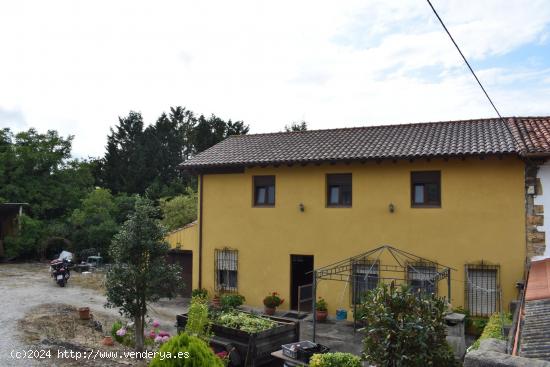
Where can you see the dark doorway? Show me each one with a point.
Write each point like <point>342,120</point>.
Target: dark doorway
<point>301,273</point>
<point>183,258</point>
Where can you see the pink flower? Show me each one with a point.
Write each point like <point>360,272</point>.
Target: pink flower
<point>158,339</point>
<point>152,334</point>
<point>156,323</point>
<point>164,333</point>
<point>165,338</point>
<point>121,332</point>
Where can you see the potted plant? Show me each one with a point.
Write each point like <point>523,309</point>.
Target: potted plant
<point>271,302</point>
<point>321,309</point>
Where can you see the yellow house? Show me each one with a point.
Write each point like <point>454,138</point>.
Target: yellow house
<point>184,243</point>
<point>275,207</point>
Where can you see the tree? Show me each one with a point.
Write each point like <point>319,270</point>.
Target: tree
<point>405,328</point>
<point>140,273</point>
<point>37,168</point>
<point>180,210</point>
<point>296,126</point>
<point>124,163</point>
<point>94,222</point>
<point>212,130</point>
<point>142,160</point>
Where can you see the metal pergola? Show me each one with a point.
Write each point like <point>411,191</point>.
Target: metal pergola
<point>368,270</point>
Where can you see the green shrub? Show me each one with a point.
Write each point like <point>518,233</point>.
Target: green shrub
<point>478,324</point>
<point>117,325</point>
<point>194,351</point>
<point>199,292</point>
<point>335,360</point>
<point>229,301</point>
<point>493,329</point>
<point>405,328</point>
<point>198,321</point>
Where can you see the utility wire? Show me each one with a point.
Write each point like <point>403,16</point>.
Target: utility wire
<point>473,73</point>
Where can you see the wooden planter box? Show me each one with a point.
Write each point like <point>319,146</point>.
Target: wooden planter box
<point>254,348</point>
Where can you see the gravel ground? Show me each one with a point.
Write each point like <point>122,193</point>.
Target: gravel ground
<point>25,286</point>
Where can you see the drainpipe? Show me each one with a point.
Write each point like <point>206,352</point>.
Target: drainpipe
<point>200,229</point>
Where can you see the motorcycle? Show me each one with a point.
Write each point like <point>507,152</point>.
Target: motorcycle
<point>60,271</point>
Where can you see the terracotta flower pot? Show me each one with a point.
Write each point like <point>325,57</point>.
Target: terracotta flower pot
<point>269,311</point>
<point>108,341</point>
<point>321,315</point>
<point>84,313</point>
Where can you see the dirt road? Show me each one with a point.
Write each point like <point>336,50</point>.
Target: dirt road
<point>23,287</point>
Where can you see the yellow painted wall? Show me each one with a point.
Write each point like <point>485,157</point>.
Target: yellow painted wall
<point>481,218</point>
<point>187,238</point>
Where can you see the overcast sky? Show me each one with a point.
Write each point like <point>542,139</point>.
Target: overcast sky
<point>75,66</point>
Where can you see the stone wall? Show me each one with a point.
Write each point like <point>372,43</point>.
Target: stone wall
<point>491,353</point>
<point>534,220</point>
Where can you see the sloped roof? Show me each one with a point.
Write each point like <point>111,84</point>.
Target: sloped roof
<point>534,133</point>
<point>405,141</point>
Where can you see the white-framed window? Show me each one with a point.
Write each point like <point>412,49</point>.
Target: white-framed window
<point>226,269</point>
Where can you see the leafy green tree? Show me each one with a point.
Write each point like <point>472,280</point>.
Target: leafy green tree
<point>296,126</point>
<point>38,169</point>
<point>94,223</point>
<point>29,241</point>
<point>140,273</point>
<point>180,210</point>
<point>125,205</point>
<point>210,131</point>
<point>124,163</point>
<point>405,328</point>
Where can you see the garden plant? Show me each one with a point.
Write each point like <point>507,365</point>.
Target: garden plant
<point>405,328</point>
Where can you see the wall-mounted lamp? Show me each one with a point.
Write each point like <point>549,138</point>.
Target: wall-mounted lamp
<point>302,207</point>
<point>391,208</point>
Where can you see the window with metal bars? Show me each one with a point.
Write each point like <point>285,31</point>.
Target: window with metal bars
<point>422,277</point>
<point>226,270</point>
<point>482,289</point>
<point>365,277</point>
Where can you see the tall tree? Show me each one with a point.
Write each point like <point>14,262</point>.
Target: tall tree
<point>140,274</point>
<point>38,169</point>
<point>180,210</point>
<point>94,222</point>
<point>296,126</point>
<point>142,160</point>
<point>124,162</point>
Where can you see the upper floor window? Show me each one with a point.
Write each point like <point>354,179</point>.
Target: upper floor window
<point>426,189</point>
<point>264,190</point>
<point>339,189</point>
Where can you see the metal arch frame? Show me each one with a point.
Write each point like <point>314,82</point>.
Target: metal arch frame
<point>342,271</point>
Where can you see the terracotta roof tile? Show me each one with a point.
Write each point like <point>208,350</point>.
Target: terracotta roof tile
<point>406,141</point>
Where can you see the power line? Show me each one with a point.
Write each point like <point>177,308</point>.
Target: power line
<point>473,73</point>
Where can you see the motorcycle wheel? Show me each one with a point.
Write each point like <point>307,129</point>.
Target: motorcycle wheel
<point>61,282</point>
